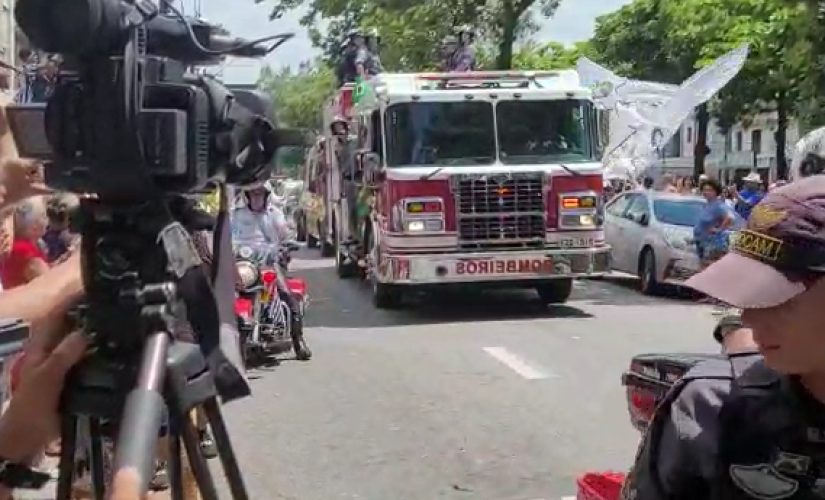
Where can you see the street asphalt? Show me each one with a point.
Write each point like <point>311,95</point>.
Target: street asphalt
<point>483,397</point>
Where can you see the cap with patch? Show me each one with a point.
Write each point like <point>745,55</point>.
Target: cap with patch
<point>772,260</point>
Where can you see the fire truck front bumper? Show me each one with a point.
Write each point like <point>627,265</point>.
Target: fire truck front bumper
<point>522,266</point>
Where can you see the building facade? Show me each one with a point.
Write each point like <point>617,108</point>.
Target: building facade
<point>746,147</point>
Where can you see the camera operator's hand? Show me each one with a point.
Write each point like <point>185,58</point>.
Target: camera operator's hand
<point>32,418</point>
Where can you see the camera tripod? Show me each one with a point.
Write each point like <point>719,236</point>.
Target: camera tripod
<point>139,381</point>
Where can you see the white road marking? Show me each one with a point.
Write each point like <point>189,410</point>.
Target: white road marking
<point>517,364</point>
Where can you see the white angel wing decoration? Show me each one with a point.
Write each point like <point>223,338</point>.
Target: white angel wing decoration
<point>644,116</point>
<point>704,84</point>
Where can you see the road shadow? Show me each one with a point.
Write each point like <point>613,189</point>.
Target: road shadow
<point>339,303</point>
<point>624,291</point>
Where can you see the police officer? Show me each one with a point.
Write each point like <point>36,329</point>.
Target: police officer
<point>752,425</point>
<point>364,62</point>
<point>464,58</point>
<point>373,44</point>
<point>447,50</point>
<point>345,71</point>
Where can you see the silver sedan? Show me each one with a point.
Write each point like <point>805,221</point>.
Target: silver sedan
<point>651,234</point>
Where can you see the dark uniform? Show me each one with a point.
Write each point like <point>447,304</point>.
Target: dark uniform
<point>464,58</point>
<point>345,71</point>
<point>735,429</point>
<point>371,65</point>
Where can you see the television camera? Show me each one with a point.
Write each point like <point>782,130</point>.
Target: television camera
<point>130,122</point>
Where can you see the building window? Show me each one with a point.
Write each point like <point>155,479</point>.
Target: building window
<point>690,135</point>
<point>756,141</point>
<point>739,140</point>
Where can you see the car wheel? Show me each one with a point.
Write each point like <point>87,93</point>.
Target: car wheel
<point>649,284</point>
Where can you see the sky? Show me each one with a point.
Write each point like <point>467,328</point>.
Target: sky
<point>573,22</point>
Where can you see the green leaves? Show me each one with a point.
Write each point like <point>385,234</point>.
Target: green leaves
<point>300,94</point>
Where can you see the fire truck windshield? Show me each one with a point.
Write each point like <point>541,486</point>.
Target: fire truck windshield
<point>440,133</point>
<point>532,132</point>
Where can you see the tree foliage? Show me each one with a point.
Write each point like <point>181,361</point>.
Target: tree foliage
<point>299,94</point>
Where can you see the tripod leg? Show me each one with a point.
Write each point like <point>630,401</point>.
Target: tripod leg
<point>174,467</point>
<point>229,461</point>
<point>97,459</point>
<point>189,482</point>
<point>138,439</point>
<point>66,467</point>
<point>196,460</point>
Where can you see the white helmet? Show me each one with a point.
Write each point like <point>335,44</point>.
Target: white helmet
<point>808,155</point>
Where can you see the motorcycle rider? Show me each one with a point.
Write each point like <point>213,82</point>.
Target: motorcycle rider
<point>258,223</point>
<point>750,426</point>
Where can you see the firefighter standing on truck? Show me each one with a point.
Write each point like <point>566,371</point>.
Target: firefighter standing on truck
<point>752,425</point>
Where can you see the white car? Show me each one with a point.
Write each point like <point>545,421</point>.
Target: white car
<point>651,233</point>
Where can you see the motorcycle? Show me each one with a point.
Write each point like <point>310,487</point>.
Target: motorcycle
<point>265,320</point>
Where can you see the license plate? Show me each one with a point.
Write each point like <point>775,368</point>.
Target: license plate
<point>265,296</point>
<point>503,267</point>
<point>576,242</point>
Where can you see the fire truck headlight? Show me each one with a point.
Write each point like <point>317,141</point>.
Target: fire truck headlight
<point>580,221</point>
<point>425,225</point>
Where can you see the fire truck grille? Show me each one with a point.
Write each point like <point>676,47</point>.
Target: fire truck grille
<point>497,212</point>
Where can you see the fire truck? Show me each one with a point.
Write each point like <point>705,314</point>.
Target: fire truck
<point>487,179</point>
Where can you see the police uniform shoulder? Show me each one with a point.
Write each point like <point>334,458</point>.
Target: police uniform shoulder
<point>710,381</point>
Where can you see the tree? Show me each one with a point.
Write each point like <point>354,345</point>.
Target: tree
<point>299,95</point>
<point>630,42</point>
<point>550,55</point>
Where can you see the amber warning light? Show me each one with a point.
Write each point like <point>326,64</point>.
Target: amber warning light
<point>426,207</point>
<point>577,202</point>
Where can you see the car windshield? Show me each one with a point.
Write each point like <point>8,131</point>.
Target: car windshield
<point>535,132</point>
<point>440,133</point>
<point>678,212</point>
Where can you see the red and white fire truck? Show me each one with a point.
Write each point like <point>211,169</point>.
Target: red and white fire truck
<point>488,179</point>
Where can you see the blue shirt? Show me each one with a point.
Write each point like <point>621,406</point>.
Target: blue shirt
<point>712,215</point>
<point>747,199</point>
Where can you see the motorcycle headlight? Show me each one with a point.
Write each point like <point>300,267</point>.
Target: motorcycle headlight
<point>245,252</point>
<point>248,273</point>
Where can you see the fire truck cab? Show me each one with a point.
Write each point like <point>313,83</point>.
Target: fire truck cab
<point>488,179</point>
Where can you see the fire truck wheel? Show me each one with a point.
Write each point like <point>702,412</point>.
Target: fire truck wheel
<point>346,268</point>
<point>327,249</point>
<point>301,229</point>
<point>556,291</point>
<point>386,296</point>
